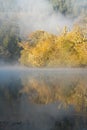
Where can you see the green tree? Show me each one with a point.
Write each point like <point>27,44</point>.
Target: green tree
<point>9,39</point>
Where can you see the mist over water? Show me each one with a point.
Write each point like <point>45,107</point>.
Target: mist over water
<point>23,107</point>
<point>36,99</point>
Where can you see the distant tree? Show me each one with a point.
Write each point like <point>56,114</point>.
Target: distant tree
<point>9,38</point>
<point>64,6</point>
<point>70,8</point>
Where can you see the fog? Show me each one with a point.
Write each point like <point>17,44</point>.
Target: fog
<point>31,16</point>
<point>41,16</point>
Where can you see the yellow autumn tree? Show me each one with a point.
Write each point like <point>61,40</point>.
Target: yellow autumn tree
<point>69,49</point>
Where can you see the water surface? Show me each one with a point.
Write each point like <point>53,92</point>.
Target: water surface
<point>41,99</point>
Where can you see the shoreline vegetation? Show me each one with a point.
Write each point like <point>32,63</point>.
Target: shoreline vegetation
<point>42,49</point>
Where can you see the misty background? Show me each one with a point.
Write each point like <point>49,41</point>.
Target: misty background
<point>48,15</point>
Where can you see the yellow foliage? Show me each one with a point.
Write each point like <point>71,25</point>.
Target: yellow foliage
<point>68,49</point>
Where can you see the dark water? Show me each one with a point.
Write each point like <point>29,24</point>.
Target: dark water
<point>43,99</point>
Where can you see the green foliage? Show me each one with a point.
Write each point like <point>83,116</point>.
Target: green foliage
<point>9,38</point>
<point>64,6</point>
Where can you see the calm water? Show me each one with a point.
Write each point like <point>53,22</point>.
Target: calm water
<point>41,99</point>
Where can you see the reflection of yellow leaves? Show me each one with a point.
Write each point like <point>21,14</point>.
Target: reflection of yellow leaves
<point>44,94</point>
<point>41,92</point>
